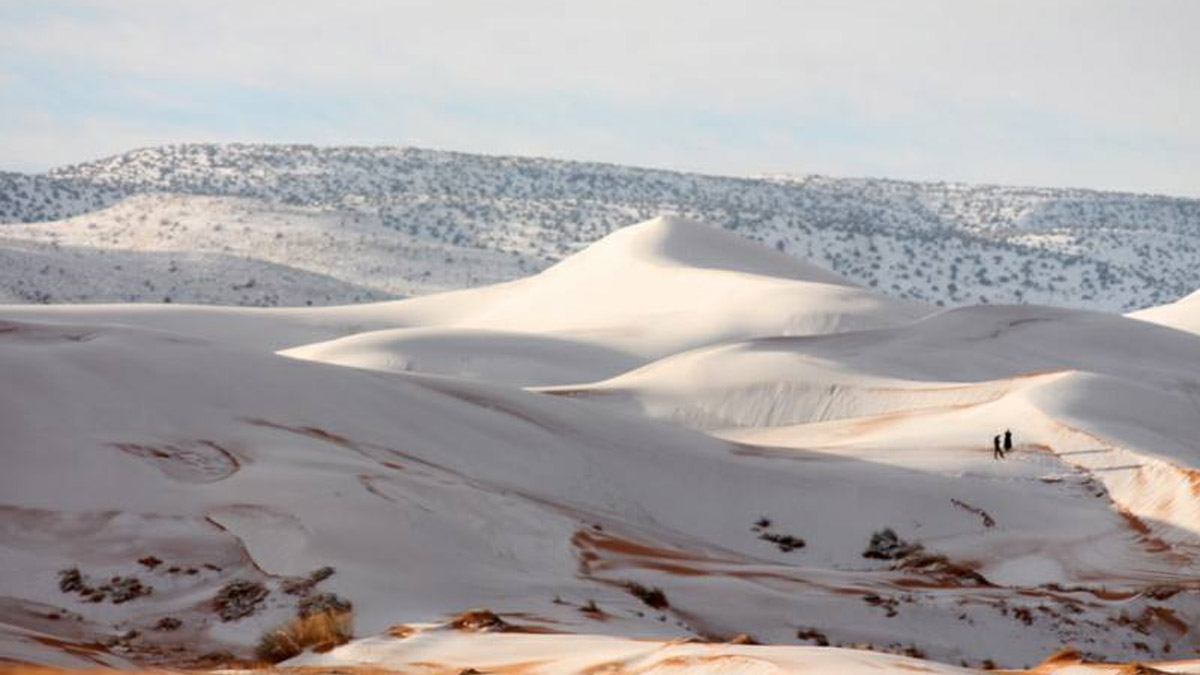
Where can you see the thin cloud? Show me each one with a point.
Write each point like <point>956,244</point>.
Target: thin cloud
<point>911,88</point>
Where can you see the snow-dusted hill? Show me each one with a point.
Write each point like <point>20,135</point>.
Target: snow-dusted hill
<point>31,198</point>
<point>272,244</point>
<point>409,221</point>
<point>771,451</point>
<point>50,273</point>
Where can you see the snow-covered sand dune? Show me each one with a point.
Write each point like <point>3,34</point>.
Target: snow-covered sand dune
<point>1118,396</point>
<point>1183,314</point>
<point>798,419</point>
<point>573,654</point>
<point>511,357</point>
<point>644,292</point>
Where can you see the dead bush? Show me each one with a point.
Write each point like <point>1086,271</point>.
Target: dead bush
<point>320,632</point>
<point>937,564</point>
<point>479,620</point>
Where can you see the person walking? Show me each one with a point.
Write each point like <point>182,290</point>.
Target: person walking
<point>1007,441</point>
<point>997,453</point>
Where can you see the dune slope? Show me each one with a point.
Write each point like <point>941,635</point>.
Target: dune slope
<point>763,449</point>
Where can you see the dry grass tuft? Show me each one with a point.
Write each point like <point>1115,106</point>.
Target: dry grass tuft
<point>320,631</point>
<point>480,621</point>
<point>401,631</point>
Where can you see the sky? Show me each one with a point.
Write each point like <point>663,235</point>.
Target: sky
<point>1084,93</point>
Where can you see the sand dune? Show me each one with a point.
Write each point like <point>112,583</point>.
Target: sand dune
<point>705,418</point>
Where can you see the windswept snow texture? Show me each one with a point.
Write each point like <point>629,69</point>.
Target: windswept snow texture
<point>672,434</point>
<point>405,221</point>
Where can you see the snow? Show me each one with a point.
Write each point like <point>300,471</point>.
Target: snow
<point>430,647</point>
<point>571,654</point>
<point>516,358</point>
<point>1183,314</point>
<point>632,414</point>
<point>206,249</point>
<point>407,221</point>
<point>642,293</point>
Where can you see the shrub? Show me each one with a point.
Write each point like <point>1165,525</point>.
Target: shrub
<point>592,609</point>
<point>814,635</point>
<point>786,542</point>
<point>653,597</point>
<point>321,574</point>
<point>118,589</point>
<point>305,585</point>
<point>71,580</point>
<point>124,589</point>
<point>238,599</point>
<point>320,632</point>
<point>887,545</point>
<point>324,602</point>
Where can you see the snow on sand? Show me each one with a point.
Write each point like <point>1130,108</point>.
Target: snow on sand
<point>752,424</point>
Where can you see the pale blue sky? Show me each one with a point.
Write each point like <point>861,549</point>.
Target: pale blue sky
<point>1088,93</point>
